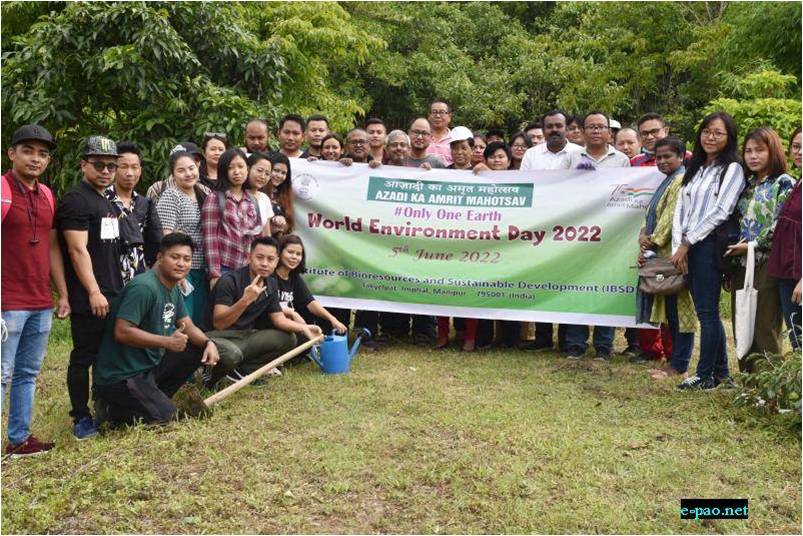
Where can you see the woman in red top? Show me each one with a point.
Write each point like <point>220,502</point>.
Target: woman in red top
<point>785,256</point>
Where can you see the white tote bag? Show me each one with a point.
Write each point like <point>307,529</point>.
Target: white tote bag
<point>746,300</point>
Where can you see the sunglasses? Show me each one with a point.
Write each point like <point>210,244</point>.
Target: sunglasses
<point>100,166</point>
<point>215,135</point>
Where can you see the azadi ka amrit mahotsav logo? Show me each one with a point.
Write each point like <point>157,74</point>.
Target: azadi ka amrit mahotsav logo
<point>625,196</point>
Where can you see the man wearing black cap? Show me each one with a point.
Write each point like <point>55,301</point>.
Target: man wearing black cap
<point>30,256</point>
<point>91,238</point>
<point>157,188</point>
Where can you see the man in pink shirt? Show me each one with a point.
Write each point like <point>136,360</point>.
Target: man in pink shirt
<point>439,117</point>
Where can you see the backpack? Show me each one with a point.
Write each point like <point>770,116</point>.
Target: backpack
<point>7,197</point>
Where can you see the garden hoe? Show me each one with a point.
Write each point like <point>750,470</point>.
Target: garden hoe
<point>233,388</point>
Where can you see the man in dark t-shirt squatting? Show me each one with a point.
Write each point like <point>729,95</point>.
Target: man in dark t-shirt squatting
<point>246,318</point>
<point>150,346</point>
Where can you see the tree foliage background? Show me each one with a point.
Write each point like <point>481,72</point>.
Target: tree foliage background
<point>162,72</point>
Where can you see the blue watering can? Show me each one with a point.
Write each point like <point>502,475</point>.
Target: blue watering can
<point>334,356</point>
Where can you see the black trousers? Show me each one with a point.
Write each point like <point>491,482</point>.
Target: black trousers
<point>87,332</point>
<point>367,319</point>
<point>398,324</point>
<point>543,335</point>
<point>509,333</point>
<point>147,396</point>
<point>631,336</point>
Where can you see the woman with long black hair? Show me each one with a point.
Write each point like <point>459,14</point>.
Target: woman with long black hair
<point>229,217</point>
<point>711,188</point>
<point>280,192</point>
<point>768,186</point>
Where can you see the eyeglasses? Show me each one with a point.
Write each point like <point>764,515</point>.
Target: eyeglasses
<point>420,133</point>
<point>215,135</point>
<point>100,166</point>
<point>654,132</point>
<point>439,112</point>
<point>358,142</point>
<point>716,134</point>
<point>596,128</point>
<point>518,146</point>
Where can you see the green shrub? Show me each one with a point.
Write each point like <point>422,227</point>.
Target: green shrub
<point>776,388</point>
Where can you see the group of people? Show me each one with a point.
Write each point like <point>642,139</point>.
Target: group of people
<point>200,279</point>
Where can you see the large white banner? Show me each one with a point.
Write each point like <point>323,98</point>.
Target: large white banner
<point>538,245</point>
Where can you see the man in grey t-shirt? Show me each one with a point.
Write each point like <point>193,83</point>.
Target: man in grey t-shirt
<point>420,137</point>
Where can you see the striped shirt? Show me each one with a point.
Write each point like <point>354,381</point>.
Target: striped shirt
<point>178,212</point>
<point>703,205</point>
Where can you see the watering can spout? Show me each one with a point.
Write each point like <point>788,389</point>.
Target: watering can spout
<point>364,334</point>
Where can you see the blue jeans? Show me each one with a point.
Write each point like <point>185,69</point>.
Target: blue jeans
<point>785,288</point>
<point>23,348</point>
<point>577,337</point>
<point>705,282</point>
<point>682,343</point>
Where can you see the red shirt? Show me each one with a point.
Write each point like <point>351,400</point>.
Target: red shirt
<point>25,275</point>
<point>785,256</point>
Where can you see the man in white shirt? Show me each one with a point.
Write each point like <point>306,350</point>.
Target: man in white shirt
<point>551,154</point>
<point>554,152</point>
<point>597,153</point>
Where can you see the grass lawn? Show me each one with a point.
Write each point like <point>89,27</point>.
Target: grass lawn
<point>416,441</point>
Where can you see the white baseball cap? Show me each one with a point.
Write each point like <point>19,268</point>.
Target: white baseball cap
<point>615,124</point>
<point>460,134</point>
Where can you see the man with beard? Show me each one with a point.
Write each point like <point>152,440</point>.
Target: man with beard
<point>357,146</point>
<point>420,138</point>
<point>257,136</point>
<point>553,154</point>
<point>91,236</point>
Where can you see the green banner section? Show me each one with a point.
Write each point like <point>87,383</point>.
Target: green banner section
<point>457,194</point>
<point>552,245</point>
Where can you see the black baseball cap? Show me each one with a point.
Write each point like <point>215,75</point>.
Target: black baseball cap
<point>189,147</point>
<point>99,146</point>
<point>34,133</point>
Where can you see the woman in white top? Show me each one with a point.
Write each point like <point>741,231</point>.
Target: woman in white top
<point>711,187</point>
<point>259,168</point>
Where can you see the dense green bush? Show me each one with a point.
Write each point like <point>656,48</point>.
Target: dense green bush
<point>162,72</point>
<point>775,388</point>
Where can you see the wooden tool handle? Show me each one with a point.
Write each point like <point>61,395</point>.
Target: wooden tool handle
<point>233,388</point>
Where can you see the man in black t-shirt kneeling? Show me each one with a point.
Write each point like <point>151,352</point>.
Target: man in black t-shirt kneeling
<point>244,300</point>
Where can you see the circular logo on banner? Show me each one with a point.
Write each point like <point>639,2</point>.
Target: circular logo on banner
<point>306,186</point>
